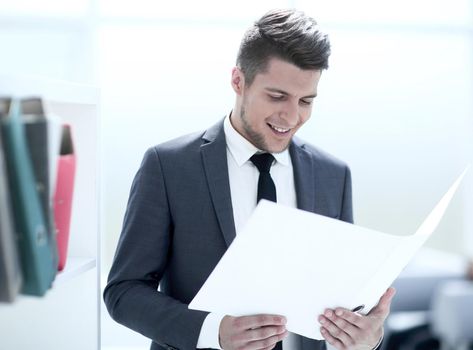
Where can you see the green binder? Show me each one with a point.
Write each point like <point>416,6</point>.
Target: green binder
<point>36,131</point>
<point>34,242</point>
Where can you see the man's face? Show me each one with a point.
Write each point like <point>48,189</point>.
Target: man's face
<point>270,111</point>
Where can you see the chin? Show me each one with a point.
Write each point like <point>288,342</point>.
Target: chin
<point>279,148</point>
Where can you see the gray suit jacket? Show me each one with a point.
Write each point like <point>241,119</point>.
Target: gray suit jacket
<point>179,222</point>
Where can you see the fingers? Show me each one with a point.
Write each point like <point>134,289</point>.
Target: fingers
<point>344,329</point>
<point>264,332</point>
<point>348,316</point>
<point>331,339</point>
<point>257,321</point>
<point>257,332</point>
<point>265,343</point>
<point>338,330</point>
<point>349,323</point>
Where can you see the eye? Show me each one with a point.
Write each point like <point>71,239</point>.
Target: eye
<point>276,97</point>
<point>306,102</point>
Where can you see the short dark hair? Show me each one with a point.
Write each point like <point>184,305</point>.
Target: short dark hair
<point>287,34</point>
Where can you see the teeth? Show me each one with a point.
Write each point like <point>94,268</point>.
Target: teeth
<point>279,129</point>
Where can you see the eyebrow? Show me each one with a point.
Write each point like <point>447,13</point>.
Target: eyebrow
<point>279,91</point>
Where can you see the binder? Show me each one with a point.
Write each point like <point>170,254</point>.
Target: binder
<point>37,137</point>
<point>34,242</point>
<point>64,193</point>
<point>10,269</point>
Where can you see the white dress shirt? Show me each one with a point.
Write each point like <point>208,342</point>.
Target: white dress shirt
<point>243,176</point>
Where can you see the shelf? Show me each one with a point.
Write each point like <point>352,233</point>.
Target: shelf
<point>74,267</point>
<point>71,305</point>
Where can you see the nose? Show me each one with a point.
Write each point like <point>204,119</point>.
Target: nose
<point>290,113</point>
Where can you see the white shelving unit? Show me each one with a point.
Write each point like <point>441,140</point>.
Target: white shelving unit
<point>68,316</point>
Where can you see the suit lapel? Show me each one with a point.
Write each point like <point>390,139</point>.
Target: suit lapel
<point>214,158</point>
<point>303,176</point>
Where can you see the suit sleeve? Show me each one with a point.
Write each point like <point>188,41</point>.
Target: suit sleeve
<point>346,213</point>
<point>131,295</point>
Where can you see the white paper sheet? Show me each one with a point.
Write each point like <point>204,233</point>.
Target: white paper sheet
<point>295,263</point>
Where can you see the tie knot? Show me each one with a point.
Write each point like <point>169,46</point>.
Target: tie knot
<point>263,161</point>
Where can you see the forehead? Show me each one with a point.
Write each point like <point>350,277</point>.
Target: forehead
<point>288,77</point>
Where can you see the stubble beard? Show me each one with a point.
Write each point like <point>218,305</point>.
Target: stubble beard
<point>256,138</point>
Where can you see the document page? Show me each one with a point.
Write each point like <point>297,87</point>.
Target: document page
<point>295,263</point>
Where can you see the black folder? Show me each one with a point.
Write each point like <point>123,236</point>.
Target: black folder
<point>10,269</point>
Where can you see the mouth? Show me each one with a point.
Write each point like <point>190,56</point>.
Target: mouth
<point>278,130</point>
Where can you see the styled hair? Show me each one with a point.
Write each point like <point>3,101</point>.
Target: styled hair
<point>286,34</point>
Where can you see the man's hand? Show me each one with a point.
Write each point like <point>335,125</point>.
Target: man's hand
<point>349,330</point>
<point>251,332</point>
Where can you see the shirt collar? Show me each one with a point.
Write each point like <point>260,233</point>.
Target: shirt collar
<point>241,149</point>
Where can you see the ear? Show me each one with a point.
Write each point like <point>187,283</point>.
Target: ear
<point>238,80</point>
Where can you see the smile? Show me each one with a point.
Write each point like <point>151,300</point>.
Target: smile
<point>279,130</point>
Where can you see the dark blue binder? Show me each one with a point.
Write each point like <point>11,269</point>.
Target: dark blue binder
<point>10,269</point>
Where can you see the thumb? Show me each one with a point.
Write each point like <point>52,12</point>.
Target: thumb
<point>384,304</point>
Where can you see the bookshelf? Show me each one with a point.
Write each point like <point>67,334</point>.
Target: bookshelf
<point>68,316</point>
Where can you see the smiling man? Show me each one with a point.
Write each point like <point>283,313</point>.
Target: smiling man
<point>270,110</point>
<point>192,195</point>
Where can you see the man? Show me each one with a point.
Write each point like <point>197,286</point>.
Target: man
<point>192,195</point>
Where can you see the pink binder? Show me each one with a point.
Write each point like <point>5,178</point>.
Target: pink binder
<point>63,194</point>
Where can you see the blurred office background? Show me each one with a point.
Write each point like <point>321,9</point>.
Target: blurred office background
<point>396,102</point>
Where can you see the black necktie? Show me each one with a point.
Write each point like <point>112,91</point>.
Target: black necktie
<point>266,188</point>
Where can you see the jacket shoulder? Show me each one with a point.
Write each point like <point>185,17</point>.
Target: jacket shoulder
<point>189,144</point>
<point>180,144</point>
<point>321,157</point>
